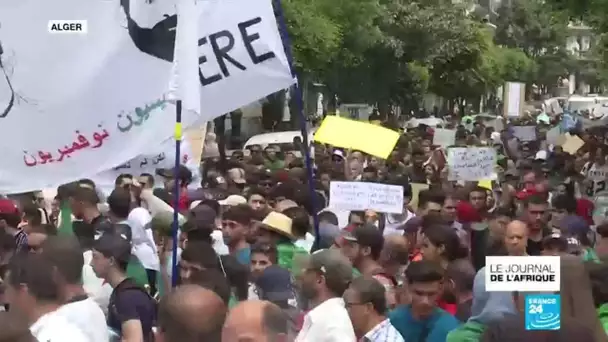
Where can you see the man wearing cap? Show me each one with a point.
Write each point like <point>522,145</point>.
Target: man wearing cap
<point>275,285</point>
<point>184,177</point>
<point>325,277</point>
<point>131,310</point>
<point>9,220</point>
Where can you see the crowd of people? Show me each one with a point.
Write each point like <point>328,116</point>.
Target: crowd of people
<point>250,265</point>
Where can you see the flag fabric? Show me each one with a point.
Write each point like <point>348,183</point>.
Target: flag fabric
<point>185,82</point>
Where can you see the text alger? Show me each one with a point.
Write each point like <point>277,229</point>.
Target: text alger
<point>81,142</point>
<point>223,42</point>
<point>66,27</point>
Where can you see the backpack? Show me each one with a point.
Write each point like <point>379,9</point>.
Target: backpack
<point>127,285</point>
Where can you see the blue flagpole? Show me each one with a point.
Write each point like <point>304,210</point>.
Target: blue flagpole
<point>175,232</point>
<point>300,103</point>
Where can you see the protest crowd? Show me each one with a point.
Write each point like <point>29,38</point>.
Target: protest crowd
<point>83,266</point>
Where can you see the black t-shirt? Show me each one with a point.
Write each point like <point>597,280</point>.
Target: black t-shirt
<point>534,247</point>
<point>128,301</point>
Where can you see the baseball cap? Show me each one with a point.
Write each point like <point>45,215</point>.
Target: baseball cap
<point>327,234</point>
<point>8,207</point>
<point>541,155</point>
<point>274,284</point>
<point>182,173</point>
<point>237,175</point>
<point>233,200</point>
<point>562,243</point>
<point>113,246</point>
<point>334,266</point>
<point>366,235</point>
<point>573,225</point>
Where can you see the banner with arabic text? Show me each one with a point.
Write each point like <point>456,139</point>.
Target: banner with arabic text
<point>161,157</point>
<point>74,103</point>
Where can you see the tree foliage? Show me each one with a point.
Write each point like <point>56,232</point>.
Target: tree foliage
<point>532,27</point>
<point>395,51</point>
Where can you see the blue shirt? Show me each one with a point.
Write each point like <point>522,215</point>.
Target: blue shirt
<point>243,256</point>
<point>436,327</point>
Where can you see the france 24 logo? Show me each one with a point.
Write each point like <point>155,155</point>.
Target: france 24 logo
<point>543,312</point>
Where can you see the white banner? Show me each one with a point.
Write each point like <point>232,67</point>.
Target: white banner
<point>162,157</point>
<point>82,97</point>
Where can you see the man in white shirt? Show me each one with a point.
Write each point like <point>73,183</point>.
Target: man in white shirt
<point>65,255</point>
<point>324,280</point>
<point>33,294</point>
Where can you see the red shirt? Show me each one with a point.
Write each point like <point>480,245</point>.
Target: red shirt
<point>451,308</point>
<point>584,209</point>
<point>466,213</point>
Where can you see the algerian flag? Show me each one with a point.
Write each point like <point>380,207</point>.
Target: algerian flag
<point>65,220</point>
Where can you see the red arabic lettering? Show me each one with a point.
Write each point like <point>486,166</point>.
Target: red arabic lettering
<point>81,142</point>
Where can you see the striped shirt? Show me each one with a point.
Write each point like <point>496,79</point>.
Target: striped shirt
<point>383,332</point>
<point>21,241</point>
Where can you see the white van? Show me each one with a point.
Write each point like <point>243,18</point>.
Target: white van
<point>282,139</point>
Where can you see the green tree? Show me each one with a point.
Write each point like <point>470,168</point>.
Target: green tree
<point>541,33</point>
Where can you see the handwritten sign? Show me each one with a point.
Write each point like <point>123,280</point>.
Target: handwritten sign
<point>161,157</point>
<point>444,137</point>
<point>471,163</point>
<point>362,196</point>
<point>119,84</point>
<point>524,133</point>
<point>572,143</point>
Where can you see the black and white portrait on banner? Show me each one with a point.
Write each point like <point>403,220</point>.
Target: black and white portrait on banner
<point>159,39</point>
<point>7,92</point>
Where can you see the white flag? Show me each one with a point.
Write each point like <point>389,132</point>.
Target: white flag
<point>85,85</point>
<point>185,83</point>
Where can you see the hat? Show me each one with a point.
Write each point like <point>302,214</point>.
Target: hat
<point>366,235</point>
<point>8,207</point>
<point>562,243</point>
<point>339,153</point>
<point>327,234</point>
<point>113,246</point>
<point>233,200</point>
<point>412,225</point>
<point>334,266</point>
<point>285,204</point>
<point>541,155</point>
<point>278,223</point>
<point>183,173</point>
<point>573,225</point>
<point>237,175</point>
<point>274,284</point>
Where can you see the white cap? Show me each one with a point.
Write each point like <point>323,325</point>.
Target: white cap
<point>495,136</point>
<point>541,155</point>
<point>233,200</point>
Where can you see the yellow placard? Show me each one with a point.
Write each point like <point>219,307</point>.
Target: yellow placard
<point>486,184</point>
<point>371,139</point>
<point>416,188</point>
<point>572,143</point>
